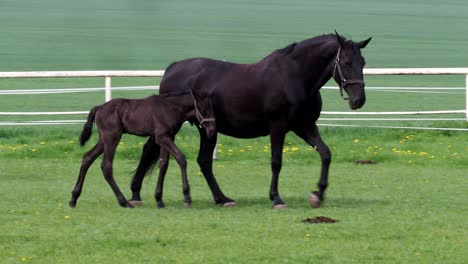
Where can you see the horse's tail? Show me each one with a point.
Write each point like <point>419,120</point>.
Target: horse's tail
<point>88,126</point>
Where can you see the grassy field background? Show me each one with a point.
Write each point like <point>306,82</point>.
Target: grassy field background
<point>410,207</point>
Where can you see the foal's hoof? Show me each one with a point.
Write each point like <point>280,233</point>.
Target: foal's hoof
<point>135,203</point>
<point>280,206</point>
<point>72,204</point>
<point>187,205</point>
<point>229,204</point>
<point>314,200</point>
<point>126,205</point>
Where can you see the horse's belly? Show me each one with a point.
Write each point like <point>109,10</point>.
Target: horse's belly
<point>244,130</point>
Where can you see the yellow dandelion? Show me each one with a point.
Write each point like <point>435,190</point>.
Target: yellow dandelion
<point>42,143</point>
<point>356,140</point>
<point>67,217</point>
<point>33,150</point>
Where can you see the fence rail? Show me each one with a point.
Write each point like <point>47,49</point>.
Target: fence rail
<point>107,75</point>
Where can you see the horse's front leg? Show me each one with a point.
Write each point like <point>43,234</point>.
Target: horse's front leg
<point>277,136</point>
<point>205,161</point>
<point>312,136</point>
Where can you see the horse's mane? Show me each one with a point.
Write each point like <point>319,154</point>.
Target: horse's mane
<point>318,40</point>
<point>311,41</point>
<point>286,50</point>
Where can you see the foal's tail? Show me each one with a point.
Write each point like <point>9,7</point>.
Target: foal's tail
<point>88,126</point>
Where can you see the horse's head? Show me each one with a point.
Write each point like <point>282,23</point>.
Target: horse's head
<point>204,113</point>
<point>348,70</point>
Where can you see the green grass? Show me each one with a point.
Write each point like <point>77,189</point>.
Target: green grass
<point>410,207</point>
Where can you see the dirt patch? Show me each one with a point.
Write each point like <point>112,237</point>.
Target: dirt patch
<point>319,219</point>
<point>365,162</point>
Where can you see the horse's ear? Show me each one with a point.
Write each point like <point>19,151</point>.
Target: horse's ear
<point>364,43</point>
<point>341,40</point>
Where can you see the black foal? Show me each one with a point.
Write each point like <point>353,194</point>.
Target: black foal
<point>159,116</point>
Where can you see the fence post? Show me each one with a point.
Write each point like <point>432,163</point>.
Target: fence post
<point>466,99</point>
<point>108,92</point>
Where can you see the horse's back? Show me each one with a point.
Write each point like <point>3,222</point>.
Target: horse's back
<point>247,98</point>
<point>178,73</point>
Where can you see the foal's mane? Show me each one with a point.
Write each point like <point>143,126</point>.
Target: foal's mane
<point>175,94</point>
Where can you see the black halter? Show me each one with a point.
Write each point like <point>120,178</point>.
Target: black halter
<point>198,114</point>
<point>343,81</point>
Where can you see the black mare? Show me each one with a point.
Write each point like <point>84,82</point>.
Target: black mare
<point>158,117</point>
<point>278,94</point>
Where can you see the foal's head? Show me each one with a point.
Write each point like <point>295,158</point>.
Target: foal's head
<point>348,70</point>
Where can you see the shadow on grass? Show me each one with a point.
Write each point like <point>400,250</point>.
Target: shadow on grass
<point>296,202</point>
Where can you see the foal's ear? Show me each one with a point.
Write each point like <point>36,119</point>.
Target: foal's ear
<point>341,40</point>
<point>364,43</point>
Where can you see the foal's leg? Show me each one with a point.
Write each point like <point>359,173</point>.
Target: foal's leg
<point>148,159</point>
<point>110,145</point>
<point>312,136</point>
<point>205,161</point>
<point>277,136</point>
<point>169,146</point>
<point>163,164</point>
<point>88,160</point>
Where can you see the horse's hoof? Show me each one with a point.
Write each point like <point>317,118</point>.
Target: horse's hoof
<point>187,205</point>
<point>229,204</point>
<point>72,204</point>
<point>280,206</point>
<point>135,203</point>
<point>314,200</point>
<point>160,205</point>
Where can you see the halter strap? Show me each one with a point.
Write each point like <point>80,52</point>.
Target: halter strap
<point>198,114</point>
<point>343,81</point>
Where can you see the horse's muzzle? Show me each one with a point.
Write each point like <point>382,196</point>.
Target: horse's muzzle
<point>356,102</point>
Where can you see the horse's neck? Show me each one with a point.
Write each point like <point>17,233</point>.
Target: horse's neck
<point>316,61</point>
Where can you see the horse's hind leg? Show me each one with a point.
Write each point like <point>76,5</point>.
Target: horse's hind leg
<point>170,147</point>
<point>88,160</point>
<point>312,136</point>
<point>205,161</point>
<point>148,159</point>
<point>163,164</point>
<point>110,146</point>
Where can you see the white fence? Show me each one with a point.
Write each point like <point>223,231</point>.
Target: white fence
<point>107,75</point>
